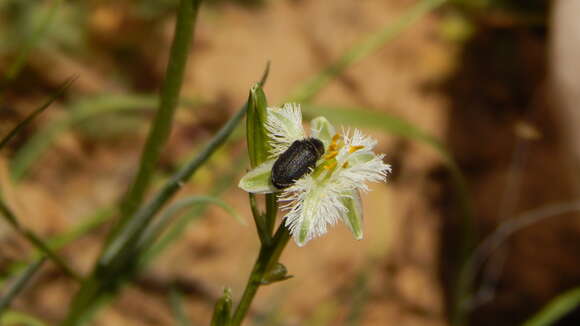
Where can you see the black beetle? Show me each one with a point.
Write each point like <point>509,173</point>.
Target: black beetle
<point>296,161</point>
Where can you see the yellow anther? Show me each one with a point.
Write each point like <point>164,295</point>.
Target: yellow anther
<point>334,145</point>
<point>330,166</point>
<point>331,155</point>
<point>353,149</point>
<point>345,165</point>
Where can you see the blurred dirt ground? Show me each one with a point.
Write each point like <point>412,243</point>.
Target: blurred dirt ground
<point>400,273</point>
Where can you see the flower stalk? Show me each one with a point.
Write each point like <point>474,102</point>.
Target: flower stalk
<point>267,259</point>
<point>317,177</point>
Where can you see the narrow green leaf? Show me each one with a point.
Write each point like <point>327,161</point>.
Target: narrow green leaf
<point>176,302</point>
<point>15,318</point>
<point>137,224</point>
<point>57,242</point>
<point>161,127</point>
<point>305,92</point>
<point>35,240</point>
<point>223,309</point>
<point>37,112</point>
<point>556,309</point>
<point>118,256</point>
<point>152,233</point>
<point>29,44</point>
<point>180,226</point>
<point>81,111</point>
<point>363,117</point>
<point>19,284</point>
<point>359,297</point>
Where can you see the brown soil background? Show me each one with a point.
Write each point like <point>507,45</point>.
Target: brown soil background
<point>471,93</point>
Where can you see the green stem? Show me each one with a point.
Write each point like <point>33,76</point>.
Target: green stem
<point>132,231</point>
<point>269,255</point>
<point>271,212</point>
<point>259,220</point>
<point>161,128</point>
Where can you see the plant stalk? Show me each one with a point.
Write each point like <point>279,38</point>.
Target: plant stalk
<point>184,29</point>
<point>269,255</point>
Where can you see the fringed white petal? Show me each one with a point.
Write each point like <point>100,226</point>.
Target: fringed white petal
<point>373,170</point>
<point>311,208</point>
<point>284,126</point>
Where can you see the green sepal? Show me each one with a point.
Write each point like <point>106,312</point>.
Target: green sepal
<point>222,312</point>
<point>353,218</point>
<point>277,273</point>
<point>259,180</point>
<point>322,129</point>
<point>256,135</point>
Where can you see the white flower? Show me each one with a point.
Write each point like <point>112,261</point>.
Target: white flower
<point>330,192</point>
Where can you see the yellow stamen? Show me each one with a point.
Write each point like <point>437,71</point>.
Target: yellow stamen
<point>345,165</point>
<point>331,155</point>
<point>334,144</point>
<point>330,166</point>
<point>353,149</point>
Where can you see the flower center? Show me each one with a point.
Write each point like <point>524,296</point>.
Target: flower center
<point>329,162</point>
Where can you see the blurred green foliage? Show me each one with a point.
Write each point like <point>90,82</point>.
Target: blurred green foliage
<point>61,24</point>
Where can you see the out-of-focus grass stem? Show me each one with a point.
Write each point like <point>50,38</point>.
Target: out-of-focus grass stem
<point>120,256</point>
<point>20,284</point>
<point>161,127</point>
<point>36,241</point>
<point>37,112</point>
<point>116,263</point>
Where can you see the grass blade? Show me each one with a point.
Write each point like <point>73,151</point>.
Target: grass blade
<point>184,29</point>
<point>176,302</point>
<point>180,226</point>
<point>14,318</point>
<point>81,111</point>
<point>35,240</point>
<point>164,219</point>
<point>28,45</point>
<point>19,284</point>
<point>115,265</point>
<point>133,229</point>
<point>363,117</point>
<point>556,309</point>
<point>36,112</point>
<point>359,298</point>
<point>306,91</point>
<point>59,241</point>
